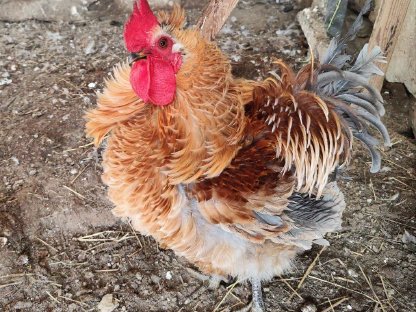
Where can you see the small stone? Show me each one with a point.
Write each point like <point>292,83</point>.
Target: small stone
<point>73,171</point>
<point>92,85</point>
<point>288,7</point>
<point>5,81</point>
<point>233,19</point>
<point>89,275</point>
<point>310,307</point>
<point>107,304</point>
<point>15,160</point>
<point>33,172</point>
<point>169,275</point>
<point>394,197</point>
<point>90,48</point>
<point>352,273</point>
<point>385,169</point>
<point>86,100</point>
<point>37,114</point>
<point>408,238</point>
<point>23,260</point>
<point>3,241</point>
<point>69,161</point>
<point>155,279</point>
<point>17,184</point>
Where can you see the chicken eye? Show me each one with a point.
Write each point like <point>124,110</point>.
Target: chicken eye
<point>163,42</point>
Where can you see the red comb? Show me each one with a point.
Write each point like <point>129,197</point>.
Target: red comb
<point>138,27</point>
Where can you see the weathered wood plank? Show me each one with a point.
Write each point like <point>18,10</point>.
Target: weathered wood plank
<point>386,31</point>
<point>214,17</point>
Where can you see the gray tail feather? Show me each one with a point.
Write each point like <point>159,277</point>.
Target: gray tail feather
<point>347,87</point>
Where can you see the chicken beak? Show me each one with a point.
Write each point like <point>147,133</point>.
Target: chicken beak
<point>136,56</point>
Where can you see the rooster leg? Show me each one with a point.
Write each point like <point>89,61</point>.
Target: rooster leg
<point>256,304</point>
<point>257,301</point>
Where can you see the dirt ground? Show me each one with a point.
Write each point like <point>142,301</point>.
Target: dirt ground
<point>62,250</point>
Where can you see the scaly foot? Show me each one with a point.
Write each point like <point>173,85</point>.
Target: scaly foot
<point>256,304</point>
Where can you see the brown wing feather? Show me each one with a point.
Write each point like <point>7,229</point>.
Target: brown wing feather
<point>253,182</point>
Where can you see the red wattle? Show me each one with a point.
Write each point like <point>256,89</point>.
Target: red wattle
<point>154,81</point>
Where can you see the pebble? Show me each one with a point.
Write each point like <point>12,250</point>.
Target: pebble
<point>69,161</point>
<point>385,169</point>
<point>33,172</point>
<point>89,275</point>
<point>37,114</point>
<point>155,279</point>
<point>22,260</point>
<point>17,184</point>
<point>310,307</point>
<point>3,241</point>
<point>92,85</point>
<point>394,197</point>
<point>90,48</point>
<point>15,160</point>
<point>5,81</point>
<point>169,275</point>
<point>352,273</point>
<point>408,238</point>
<point>288,8</point>
<point>107,304</point>
<point>73,171</point>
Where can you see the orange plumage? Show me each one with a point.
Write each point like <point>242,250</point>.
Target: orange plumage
<point>233,174</point>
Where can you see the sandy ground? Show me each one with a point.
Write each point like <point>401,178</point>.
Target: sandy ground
<point>62,250</point>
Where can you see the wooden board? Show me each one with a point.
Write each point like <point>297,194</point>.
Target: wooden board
<point>386,31</point>
<point>214,16</point>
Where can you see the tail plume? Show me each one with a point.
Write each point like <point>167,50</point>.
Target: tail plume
<point>317,112</point>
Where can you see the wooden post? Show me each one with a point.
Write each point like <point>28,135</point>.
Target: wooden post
<point>214,17</point>
<point>386,30</point>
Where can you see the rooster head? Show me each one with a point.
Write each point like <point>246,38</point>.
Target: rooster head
<point>155,57</point>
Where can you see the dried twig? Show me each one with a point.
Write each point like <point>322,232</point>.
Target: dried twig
<point>10,284</point>
<point>46,244</point>
<point>52,297</point>
<point>308,271</point>
<point>79,147</point>
<point>226,295</point>
<point>385,293</point>
<point>292,289</point>
<point>77,176</point>
<point>372,289</point>
<point>343,287</point>
<point>74,192</point>
<point>333,305</point>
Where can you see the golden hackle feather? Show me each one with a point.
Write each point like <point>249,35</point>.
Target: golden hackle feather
<point>310,138</point>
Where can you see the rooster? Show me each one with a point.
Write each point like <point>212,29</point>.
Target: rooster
<point>235,175</point>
